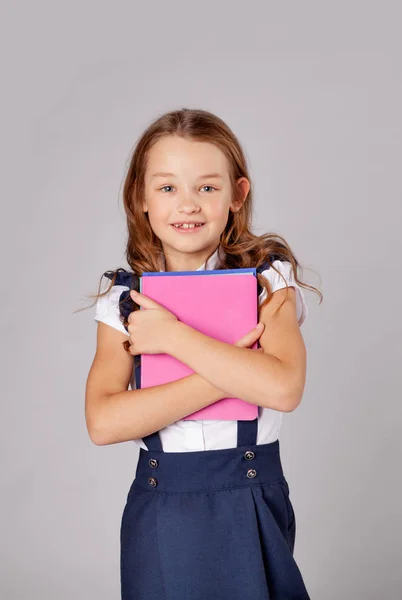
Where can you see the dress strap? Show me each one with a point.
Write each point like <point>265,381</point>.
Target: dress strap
<point>153,442</point>
<point>247,433</point>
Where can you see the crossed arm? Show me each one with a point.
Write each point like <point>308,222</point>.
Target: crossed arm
<point>279,372</point>
<point>274,378</point>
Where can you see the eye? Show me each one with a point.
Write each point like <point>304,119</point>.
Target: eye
<point>205,186</point>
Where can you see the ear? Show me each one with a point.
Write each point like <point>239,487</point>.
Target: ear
<point>244,187</point>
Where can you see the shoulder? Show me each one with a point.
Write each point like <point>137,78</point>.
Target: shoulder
<point>114,305</point>
<point>279,273</point>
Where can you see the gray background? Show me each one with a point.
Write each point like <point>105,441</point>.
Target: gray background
<point>313,91</point>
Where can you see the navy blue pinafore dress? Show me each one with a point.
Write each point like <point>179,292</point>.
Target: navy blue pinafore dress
<point>210,524</point>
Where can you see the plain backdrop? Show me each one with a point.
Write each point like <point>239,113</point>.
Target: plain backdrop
<point>313,91</point>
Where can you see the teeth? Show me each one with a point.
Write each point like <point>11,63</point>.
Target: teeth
<point>187,226</point>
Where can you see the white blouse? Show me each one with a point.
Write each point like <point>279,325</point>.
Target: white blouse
<point>194,435</point>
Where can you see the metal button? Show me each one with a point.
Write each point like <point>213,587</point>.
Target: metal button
<point>152,482</point>
<point>249,455</point>
<point>153,463</point>
<point>251,473</point>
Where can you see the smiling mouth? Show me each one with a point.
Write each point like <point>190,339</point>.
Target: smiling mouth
<point>188,226</point>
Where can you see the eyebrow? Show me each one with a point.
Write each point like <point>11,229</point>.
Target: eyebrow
<point>209,176</point>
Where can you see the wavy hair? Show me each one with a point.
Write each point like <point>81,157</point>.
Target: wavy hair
<point>240,248</point>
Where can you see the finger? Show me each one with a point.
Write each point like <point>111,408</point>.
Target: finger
<point>144,301</point>
<point>131,349</point>
<point>251,336</point>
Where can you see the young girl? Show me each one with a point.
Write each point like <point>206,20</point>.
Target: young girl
<point>208,514</point>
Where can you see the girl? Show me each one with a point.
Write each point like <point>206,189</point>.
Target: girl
<point>208,514</point>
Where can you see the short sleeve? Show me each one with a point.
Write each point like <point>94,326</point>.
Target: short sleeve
<point>107,306</point>
<point>276,282</point>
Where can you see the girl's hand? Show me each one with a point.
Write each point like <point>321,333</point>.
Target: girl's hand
<point>252,336</point>
<point>148,328</point>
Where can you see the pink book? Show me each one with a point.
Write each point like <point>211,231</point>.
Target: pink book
<point>222,304</point>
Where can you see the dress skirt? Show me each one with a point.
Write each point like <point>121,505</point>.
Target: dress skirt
<point>210,525</point>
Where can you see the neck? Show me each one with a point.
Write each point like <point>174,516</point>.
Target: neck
<point>190,262</point>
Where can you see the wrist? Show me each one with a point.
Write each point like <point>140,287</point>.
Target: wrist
<point>210,389</point>
<point>172,336</point>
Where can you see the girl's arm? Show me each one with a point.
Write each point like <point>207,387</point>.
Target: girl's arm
<point>133,414</point>
<point>115,414</point>
<point>274,378</point>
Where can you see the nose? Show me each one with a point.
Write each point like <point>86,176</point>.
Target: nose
<point>188,205</point>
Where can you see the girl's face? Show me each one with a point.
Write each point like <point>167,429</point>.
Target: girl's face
<point>188,181</point>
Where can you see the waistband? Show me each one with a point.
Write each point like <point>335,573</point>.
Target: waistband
<point>209,469</point>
